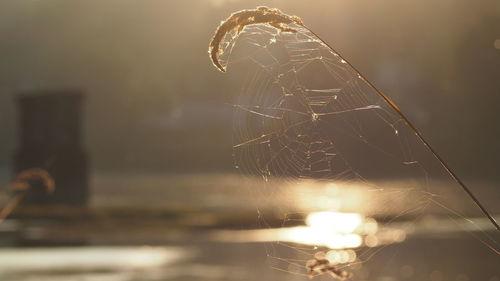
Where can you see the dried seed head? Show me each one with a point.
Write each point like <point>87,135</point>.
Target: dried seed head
<point>238,20</point>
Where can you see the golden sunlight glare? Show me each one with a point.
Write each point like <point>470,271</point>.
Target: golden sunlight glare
<point>334,222</point>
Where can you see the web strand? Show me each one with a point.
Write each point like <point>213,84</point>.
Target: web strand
<point>421,137</point>
<point>304,117</point>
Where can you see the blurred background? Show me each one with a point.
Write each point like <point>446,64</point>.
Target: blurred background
<point>147,143</point>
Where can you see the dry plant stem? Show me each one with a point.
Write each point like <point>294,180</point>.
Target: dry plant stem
<point>419,135</point>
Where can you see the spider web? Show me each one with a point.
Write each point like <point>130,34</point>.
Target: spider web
<point>325,142</point>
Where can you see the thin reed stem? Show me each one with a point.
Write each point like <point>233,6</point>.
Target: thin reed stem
<point>450,172</point>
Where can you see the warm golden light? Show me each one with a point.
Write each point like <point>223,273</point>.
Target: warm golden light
<point>334,230</point>
<point>340,256</point>
<point>334,222</point>
<point>90,258</point>
<point>317,237</point>
<point>329,229</point>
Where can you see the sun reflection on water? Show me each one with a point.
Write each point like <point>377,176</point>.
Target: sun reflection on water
<point>334,222</point>
<point>310,236</point>
<point>333,230</point>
